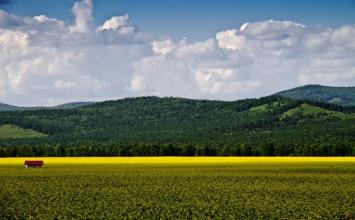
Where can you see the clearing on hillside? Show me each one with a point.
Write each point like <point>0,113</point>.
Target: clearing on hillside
<point>307,109</point>
<point>12,131</point>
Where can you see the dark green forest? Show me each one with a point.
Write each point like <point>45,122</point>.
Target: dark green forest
<point>152,126</point>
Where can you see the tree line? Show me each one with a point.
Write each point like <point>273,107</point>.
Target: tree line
<point>178,150</point>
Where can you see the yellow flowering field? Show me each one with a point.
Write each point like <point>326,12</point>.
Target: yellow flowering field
<point>176,160</point>
<point>178,188</point>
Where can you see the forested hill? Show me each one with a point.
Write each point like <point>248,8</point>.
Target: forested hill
<point>335,95</point>
<point>174,126</point>
<point>72,105</point>
<point>6,107</point>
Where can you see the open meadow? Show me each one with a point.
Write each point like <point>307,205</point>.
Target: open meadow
<point>179,188</point>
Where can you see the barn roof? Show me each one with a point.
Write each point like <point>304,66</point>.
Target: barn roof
<point>34,162</point>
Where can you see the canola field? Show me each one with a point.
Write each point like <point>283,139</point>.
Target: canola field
<point>179,188</point>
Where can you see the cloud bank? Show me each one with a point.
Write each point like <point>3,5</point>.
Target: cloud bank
<point>47,61</point>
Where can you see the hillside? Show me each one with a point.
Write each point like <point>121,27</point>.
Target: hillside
<point>344,96</point>
<point>72,105</point>
<point>10,131</point>
<point>174,126</point>
<point>6,107</point>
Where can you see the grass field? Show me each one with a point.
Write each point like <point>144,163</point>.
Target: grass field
<point>179,188</point>
<point>11,131</point>
<point>306,109</point>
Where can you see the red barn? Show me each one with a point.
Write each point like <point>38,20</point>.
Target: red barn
<point>33,163</point>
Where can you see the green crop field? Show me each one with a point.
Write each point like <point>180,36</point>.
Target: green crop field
<point>12,131</point>
<point>308,189</point>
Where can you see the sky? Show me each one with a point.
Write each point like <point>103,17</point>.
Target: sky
<point>53,52</point>
<point>179,18</point>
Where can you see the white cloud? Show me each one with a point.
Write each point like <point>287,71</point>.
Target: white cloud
<point>230,40</point>
<point>137,83</point>
<point>12,42</point>
<point>159,75</point>
<point>83,16</point>
<point>217,81</point>
<point>114,23</point>
<point>207,49</point>
<point>344,37</point>
<point>316,41</point>
<point>48,61</point>
<point>62,84</point>
<point>163,46</point>
<point>272,30</point>
<point>45,19</point>
<point>256,59</point>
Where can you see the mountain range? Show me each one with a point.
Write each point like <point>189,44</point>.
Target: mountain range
<point>344,96</point>
<point>151,126</point>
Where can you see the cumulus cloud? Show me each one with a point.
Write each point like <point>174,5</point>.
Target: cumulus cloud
<point>256,59</point>
<point>217,81</point>
<point>229,39</point>
<point>163,76</point>
<point>163,46</point>
<point>118,23</point>
<point>46,61</point>
<point>83,16</point>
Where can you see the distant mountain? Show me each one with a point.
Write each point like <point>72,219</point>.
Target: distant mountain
<point>344,96</point>
<point>73,105</point>
<point>150,126</point>
<point>6,107</point>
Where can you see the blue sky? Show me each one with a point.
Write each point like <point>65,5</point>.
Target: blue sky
<point>198,19</point>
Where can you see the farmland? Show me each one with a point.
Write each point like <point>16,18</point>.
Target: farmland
<point>179,188</point>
